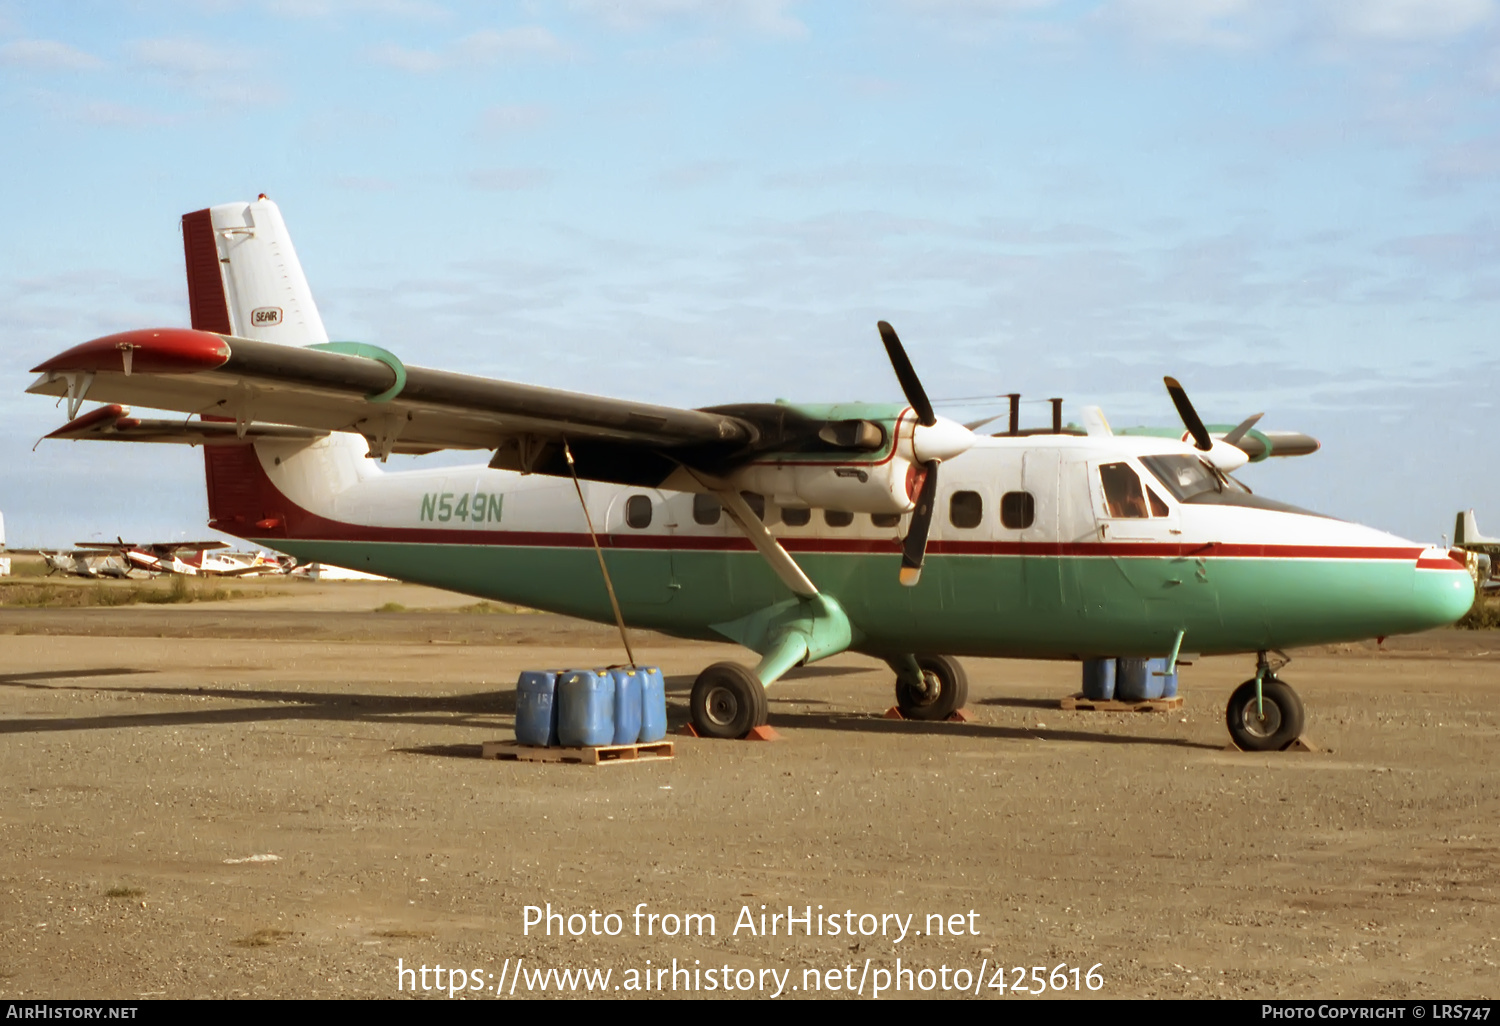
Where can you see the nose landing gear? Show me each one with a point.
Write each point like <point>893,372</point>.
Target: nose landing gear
<point>940,691</point>
<point>1264,714</point>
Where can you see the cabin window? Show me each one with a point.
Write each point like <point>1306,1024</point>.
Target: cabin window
<point>1122,491</point>
<point>965,509</point>
<point>793,516</point>
<point>1158,504</point>
<point>757,504</point>
<point>837,517</point>
<point>706,509</point>
<point>885,519</point>
<point>1017,510</point>
<point>638,511</point>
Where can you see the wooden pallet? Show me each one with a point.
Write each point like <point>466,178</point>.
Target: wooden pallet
<point>656,751</point>
<point>1078,703</point>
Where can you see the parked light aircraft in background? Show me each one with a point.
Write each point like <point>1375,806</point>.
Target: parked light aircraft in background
<point>1482,551</point>
<point>90,563</point>
<point>798,531</point>
<point>128,559</point>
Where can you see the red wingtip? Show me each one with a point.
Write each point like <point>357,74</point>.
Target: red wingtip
<point>103,415</point>
<point>151,350</point>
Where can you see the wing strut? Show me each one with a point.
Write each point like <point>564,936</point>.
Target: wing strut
<point>608,584</point>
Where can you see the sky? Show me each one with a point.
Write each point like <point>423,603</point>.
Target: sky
<point>1289,205</point>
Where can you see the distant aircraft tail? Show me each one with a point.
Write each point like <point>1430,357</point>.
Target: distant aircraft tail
<point>1466,532</point>
<point>244,279</point>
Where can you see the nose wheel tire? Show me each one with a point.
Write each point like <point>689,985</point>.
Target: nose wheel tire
<point>1269,728</point>
<point>727,701</point>
<point>944,690</point>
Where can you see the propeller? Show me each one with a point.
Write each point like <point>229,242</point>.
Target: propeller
<point>1224,454</point>
<point>916,395</point>
<point>1190,418</point>
<point>933,440</point>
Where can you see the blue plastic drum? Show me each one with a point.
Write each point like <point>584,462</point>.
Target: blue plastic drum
<point>1099,679</point>
<point>628,683</point>
<point>536,708</point>
<point>585,709</point>
<point>1134,680</point>
<point>653,705</point>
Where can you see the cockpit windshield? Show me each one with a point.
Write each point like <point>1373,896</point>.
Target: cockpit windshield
<point>1188,476</point>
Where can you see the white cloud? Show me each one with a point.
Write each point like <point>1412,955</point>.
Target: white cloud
<point>415,10</point>
<point>47,55</point>
<point>489,45</point>
<point>1216,23</point>
<point>770,17</point>
<point>1407,20</point>
<point>416,62</point>
<point>187,58</point>
<point>511,179</point>
<point>511,117</point>
<point>478,49</point>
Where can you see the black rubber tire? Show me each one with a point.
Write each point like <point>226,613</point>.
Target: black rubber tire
<point>727,701</point>
<point>947,690</point>
<point>1283,721</point>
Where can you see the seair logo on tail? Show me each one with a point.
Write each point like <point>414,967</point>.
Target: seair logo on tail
<point>264,316</point>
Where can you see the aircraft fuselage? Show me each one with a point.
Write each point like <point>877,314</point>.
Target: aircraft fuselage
<point>1029,556</point>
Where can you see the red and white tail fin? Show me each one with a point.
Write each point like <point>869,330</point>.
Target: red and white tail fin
<point>244,277</point>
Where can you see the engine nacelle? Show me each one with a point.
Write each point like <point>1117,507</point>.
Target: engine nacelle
<point>885,487</point>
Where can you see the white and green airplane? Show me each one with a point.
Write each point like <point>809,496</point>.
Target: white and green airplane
<point>798,531</point>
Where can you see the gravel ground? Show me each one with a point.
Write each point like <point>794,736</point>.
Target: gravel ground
<point>155,758</point>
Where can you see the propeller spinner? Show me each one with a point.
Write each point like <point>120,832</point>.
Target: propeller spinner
<point>934,439</point>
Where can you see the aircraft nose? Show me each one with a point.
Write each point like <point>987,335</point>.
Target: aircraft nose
<point>1443,590</point>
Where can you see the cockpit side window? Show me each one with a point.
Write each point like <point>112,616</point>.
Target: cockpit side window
<point>1158,504</point>
<point>1122,491</point>
<point>1188,476</point>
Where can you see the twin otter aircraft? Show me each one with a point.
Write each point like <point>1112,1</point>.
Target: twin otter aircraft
<point>796,531</point>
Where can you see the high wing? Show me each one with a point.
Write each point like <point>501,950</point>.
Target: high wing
<point>157,548</point>
<point>268,389</point>
<point>257,364</point>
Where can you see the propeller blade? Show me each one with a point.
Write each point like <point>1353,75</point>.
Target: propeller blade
<point>1233,438</point>
<point>914,545</point>
<point>1190,418</point>
<point>916,396</point>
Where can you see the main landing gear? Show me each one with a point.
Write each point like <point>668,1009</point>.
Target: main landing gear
<point>1264,714</point>
<point>930,687</point>
<point>727,701</point>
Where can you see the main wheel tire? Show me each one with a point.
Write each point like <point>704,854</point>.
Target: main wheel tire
<point>1280,725</point>
<point>727,701</point>
<point>946,690</point>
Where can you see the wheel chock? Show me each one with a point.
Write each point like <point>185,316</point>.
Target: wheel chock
<point>1300,743</point>
<point>957,716</point>
<point>766,733</point>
